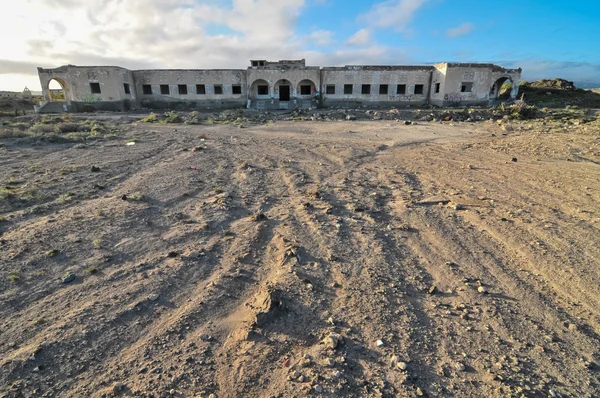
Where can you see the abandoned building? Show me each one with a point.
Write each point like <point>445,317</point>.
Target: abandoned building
<point>273,85</point>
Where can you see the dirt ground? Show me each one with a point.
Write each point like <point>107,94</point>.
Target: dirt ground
<point>295,259</point>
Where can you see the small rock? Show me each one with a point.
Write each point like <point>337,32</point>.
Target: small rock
<point>419,392</point>
<point>318,389</point>
<point>172,254</point>
<point>124,197</point>
<point>379,343</point>
<point>333,340</point>
<point>482,290</point>
<point>330,363</point>
<point>259,217</point>
<point>459,207</point>
<point>95,169</point>
<point>118,388</point>
<point>350,117</point>
<point>69,278</point>
<point>432,290</point>
<point>514,159</point>
<point>402,365</point>
<point>153,297</point>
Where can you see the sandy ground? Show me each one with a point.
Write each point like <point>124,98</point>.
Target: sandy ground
<point>347,259</point>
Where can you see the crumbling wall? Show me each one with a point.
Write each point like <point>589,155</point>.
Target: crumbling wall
<point>376,85</point>
<point>191,88</point>
<point>284,76</point>
<point>89,84</point>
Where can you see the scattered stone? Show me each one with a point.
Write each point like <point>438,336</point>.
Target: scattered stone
<point>95,169</point>
<point>259,217</point>
<point>332,340</point>
<point>118,388</point>
<point>69,278</point>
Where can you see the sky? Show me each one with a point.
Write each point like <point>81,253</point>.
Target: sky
<point>547,38</point>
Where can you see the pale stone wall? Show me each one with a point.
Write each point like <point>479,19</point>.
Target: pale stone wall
<point>280,85</point>
<point>226,79</point>
<point>277,75</point>
<point>470,84</point>
<point>408,77</point>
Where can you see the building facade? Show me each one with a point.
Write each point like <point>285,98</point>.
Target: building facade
<point>287,84</point>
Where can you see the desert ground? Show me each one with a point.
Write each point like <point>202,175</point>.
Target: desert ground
<point>299,257</point>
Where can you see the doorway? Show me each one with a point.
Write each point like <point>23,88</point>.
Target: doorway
<point>284,93</point>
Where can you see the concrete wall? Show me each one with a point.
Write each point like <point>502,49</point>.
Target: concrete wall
<point>441,85</point>
<point>225,78</point>
<point>375,76</point>
<point>277,75</point>
<point>469,84</point>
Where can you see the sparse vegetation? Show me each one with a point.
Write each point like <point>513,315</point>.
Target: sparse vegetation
<point>14,277</point>
<point>91,270</point>
<point>97,243</point>
<point>59,129</point>
<point>65,197</point>
<point>52,252</point>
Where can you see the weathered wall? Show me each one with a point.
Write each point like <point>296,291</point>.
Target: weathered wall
<point>484,81</point>
<point>75,81</point>
<point>226,78</point>
<point>375,76</point>
<point>481,78</point>
<point>276,76</point>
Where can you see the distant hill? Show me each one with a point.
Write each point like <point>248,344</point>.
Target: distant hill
<point>558,93</point>
<point>587,84</point>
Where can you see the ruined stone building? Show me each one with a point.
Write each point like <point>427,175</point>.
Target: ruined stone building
<point>273,85</point>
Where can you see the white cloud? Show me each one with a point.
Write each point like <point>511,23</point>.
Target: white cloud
<point>321,37</point>
<point>396,14</point>
<point>361,37</point>
<point>460,30</point>
<point>146,34</point>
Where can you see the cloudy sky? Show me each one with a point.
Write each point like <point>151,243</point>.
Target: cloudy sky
<point>548,38</point>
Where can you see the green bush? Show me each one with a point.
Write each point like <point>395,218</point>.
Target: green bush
<point>151,118</point>
<point>172,117</point>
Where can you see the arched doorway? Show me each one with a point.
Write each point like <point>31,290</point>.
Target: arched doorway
<point>57,90</point>
<point>502,89</point>
<point>283,90</point>
<point>260,89</point>
<point>306,88</point>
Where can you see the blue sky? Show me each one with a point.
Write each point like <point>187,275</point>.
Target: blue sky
<point>548,39</point>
